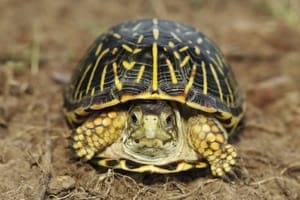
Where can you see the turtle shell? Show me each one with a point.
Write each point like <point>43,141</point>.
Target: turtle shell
<point>154,60</point>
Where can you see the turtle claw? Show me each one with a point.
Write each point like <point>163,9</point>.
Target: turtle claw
<point>223,163</point>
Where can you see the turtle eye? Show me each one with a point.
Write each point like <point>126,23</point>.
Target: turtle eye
<point>169,121</point>
<point>133,118</point>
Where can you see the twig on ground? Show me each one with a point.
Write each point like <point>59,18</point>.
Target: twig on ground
<point>46,162</point>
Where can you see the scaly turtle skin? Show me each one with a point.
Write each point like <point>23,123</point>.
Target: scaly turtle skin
<point>154,95</point>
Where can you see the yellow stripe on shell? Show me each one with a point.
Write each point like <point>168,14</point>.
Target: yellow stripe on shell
<point>136,51</point>
<point>81,81</point>
<point>203,67</point>
<point>191,79</point>
<point>171,44</point>
<point>217,64</point>
<point>155,67</point>
<point>103,74</point>
<point>230,91</point>
<point>140,39</point>
<point>127,48</point>
<point>122,164</point>
<point>197,50</point>
<point>152,96</point>
<point>94,69</point>
<point>172,72</point>
<point>98,49</point>
<point>219,61</point>
<point>128,65</point>
<point>183,49</point>
<point>140,74</point>
<point>117,35</point>
<point>185,61</point>
<point>118,84</point>
<point>115,50</point>
<point>177,55</point>
<point>176,37</point>
<point>136,27</point>
<point>155,34</point>
<point>215,75</point>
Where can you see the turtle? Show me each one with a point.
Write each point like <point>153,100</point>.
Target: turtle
<point>156,96</point>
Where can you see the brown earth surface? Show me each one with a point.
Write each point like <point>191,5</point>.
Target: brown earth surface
<point>41,42</point>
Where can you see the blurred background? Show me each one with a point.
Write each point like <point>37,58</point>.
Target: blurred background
<point>42,41</point>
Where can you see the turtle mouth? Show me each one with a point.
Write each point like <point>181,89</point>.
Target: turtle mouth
<point>145,148</point>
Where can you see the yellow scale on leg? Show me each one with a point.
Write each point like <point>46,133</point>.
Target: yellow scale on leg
<point>209,139</point>
<point>98,133</point>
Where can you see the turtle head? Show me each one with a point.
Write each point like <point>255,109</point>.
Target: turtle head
<point>151,132</point>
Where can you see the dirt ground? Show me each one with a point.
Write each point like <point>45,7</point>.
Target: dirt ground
<point>41,42</point>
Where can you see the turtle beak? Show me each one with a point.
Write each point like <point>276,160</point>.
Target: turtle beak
<point>151,126</point>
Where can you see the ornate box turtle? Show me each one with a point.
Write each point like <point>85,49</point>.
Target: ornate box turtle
<point>154,96</point>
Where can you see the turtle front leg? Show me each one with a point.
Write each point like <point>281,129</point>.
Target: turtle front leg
<point>208,138</point>
<point>97,133</point>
